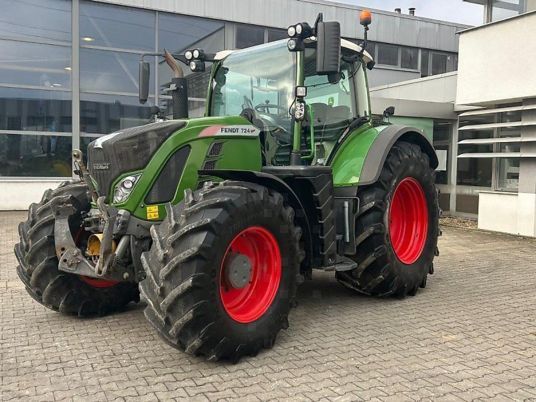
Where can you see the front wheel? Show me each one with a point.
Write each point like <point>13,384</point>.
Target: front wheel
<point>397,227</point>
<point>38,263</point>
<point>222,271</point>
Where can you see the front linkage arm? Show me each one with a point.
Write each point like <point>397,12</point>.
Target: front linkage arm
<point>71,258</point>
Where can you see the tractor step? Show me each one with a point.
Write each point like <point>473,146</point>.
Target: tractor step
<point>342,264</point>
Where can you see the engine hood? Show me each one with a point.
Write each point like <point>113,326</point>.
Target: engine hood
<point>126,150</point>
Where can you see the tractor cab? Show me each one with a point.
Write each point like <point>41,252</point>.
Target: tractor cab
<point>259,84</point>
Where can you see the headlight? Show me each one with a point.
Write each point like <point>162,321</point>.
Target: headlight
<point>292,44</point>
<point>124,188</point>
<point>291,31</point>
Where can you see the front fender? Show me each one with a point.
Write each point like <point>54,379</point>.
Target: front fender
<point>273,182</point>
<point>359,161</point>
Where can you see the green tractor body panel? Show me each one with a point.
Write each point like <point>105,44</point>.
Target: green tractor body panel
<point>349,159</point>
<point>240,150</point>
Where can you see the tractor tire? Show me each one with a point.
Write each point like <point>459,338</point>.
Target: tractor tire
<point>397,227</point>
<point>193,300</point>
<point>38,263</point>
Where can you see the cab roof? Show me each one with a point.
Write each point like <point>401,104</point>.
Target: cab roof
<point>345,44</point>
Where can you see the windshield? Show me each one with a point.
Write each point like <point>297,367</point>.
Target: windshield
<point>262,78</point>
<point>258,83</point>
<point>259,78</point>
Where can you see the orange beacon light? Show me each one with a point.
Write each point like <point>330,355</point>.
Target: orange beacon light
<point>365,18</point>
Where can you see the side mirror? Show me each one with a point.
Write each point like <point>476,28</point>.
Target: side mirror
<point>144,76</point>
<point>328,48</point>
<point>390,111</point>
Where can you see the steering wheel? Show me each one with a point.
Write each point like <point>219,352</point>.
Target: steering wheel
<point>265,108</point>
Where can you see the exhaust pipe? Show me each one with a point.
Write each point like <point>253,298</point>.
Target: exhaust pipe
<point>179,88</point>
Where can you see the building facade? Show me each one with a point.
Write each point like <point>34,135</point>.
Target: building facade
<point>497,139</point>
<point>68,72</point>
<point>484,118</point>
<point>497,10</point>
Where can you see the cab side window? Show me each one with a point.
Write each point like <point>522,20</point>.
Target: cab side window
<point>331,104</point>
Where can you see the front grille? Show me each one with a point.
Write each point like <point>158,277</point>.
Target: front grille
<point>209,165</point>
<point>215,149</point>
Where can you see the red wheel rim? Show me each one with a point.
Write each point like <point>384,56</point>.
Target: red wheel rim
<point>93,282</point>
<point>408,220</point>
<point>250,302</point>
<point>98,283</point>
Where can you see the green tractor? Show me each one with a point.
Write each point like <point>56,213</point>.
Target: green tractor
<point>217,220</point>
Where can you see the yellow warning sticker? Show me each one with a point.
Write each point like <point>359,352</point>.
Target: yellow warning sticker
<point>152,212</point>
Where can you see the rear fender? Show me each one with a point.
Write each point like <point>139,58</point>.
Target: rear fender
<point>361,159</point>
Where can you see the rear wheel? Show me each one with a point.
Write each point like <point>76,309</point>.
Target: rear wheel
<point>38,263</point>
<point>222,271</point>
<point>397,227</point>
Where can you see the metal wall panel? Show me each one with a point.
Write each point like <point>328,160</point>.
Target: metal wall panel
<point>387,26</point>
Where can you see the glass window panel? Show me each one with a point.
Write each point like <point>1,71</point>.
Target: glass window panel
<point>84,142</point>
<point>104,114</point>
<point>441,176</point>
<point>44,66</point>
<point>109,71</point>
<point>442,131</point>
<point>247,36</point>
<point>425,63</point>
<point>503,9</point>
<point>508,169</point>
<point>410,58</point>
<point>50,19</point>
<point>509,117</point>
<point>387,54</point>
<point>35,155</point>
<point>178,33</point>
<point>475,171</point>
<point>35,110</point>
<point>276,34</point>
<point>333,103</point>
<point>452,62</point>
<point>250,78</point>
<point>116,26</point>
<point>439,63</point>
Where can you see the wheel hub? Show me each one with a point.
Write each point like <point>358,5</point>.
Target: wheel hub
<point>237,270</point>
<point>408,220</point>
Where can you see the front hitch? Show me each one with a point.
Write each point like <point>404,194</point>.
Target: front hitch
<point>71,258</point>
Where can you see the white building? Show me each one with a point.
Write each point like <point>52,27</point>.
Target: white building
<point>488,109</point>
